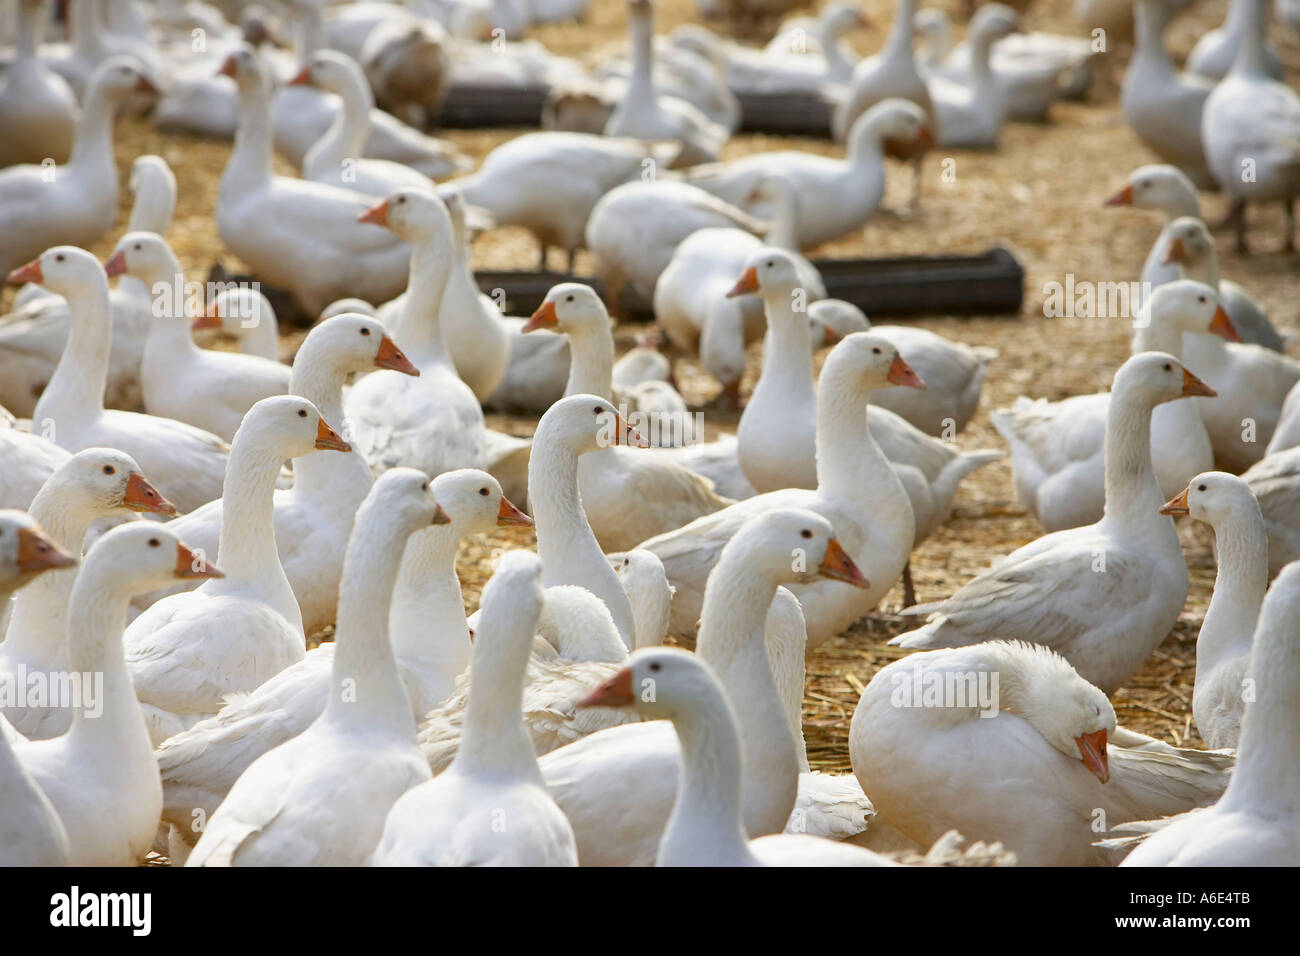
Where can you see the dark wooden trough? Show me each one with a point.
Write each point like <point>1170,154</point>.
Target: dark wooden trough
<point>480,107</point>
<point>785,114</point>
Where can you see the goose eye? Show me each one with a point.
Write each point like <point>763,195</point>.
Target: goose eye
<point>1200,487</point>
<point>805,533</point>
<point>401,199</point>
<point>484,492</point>
<point>876,350</point>
<point>154,543</point>
<point>1202,299</point>
<point>597,410</point>
<point>109,470</point>
<point>137,247</point>
<point>771,264</point>
<point>655,666</point>
<point>1168,367</point>
<point>568,298</point>
<point>365,331</point>
<point>425,486</point>
<point>302,413</point>
<point>59,257</point>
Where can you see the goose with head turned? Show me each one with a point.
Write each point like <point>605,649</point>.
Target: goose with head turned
<point>857,490</point>
<point>617,786</point>
<point>448,821</point>
<point>313,517</point>
<point>189,650</point>
<point>1256,822</point>
<point>1214,52</point>
<point>1223,646</point>
<point>31,833</point>
<point>321,798</point>
<point>101,775</point>
<point>1165,189</point>
<point>1024,751</point>
<point>247,316</point>
<point>433,422</point>
<point>430,641</point>
<point>1057,447</point>
<point>204,388</point>
<point>892,72</point>
<point>669,495</point>
<point>37,107</point>
<point>93,484</point>
<point>1102,595</point>
<point>185,460</point>
<point>33,336</point>
<point>78,203</point>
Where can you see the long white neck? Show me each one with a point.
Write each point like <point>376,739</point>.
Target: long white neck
<point>732,641</point>
<point>1133,497</point>
<point>641,85</point>
<point>319,379</point>
<point>75,393</point>
<point>311,20</point>
<point>249,166</point>
<point>866,155</point>
<point>1150,57</point>
<point>784,229</point>
<point>169,333</point>
<point>152,209</point>
<point>92,151</point>
<point>247,552</point>
<point>787,640</point>
<point>899,43</point>
<point>420,329</point>
<point>1156,334</point>
<point>981,74</point>
<point>787,353</point>
<point>1204,268</point>
<point>87,32</point>
<point>1250,48</point>
<point>30,21</point>
<point>346,137</point>
<point>1241,551</point>
<point>591,362</point>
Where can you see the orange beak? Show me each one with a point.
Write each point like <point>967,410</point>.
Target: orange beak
<point>830,336</point>
<point>925,137</point>
<point>391,357</point>
<point>38,553</point>
<point>509,514</point>
<point>900,373</point>
<point>838,565</point>
<point>1177,252</point>
<point>28,273</point>
<point>116,265</point>
<point>228,67</point>
<point>615,692</point>
<point>1177,505</point>
<point>302,78</point>
<point>627,435</point>
<point>327,439</point>
<point>543,318</point>
<point>1122,198</point>
<point>144,85</point>
<point>441,517</point>
<point>747,284</point>
<point>1222,326</point>
<point>142,496</point>
<point>1092,747</point>
<point>210,319</point>
<point>190,565</point>
<point>1194,386</point>
<point>376,214</point>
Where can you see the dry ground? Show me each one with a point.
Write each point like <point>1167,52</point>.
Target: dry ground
<point>1040,194</point>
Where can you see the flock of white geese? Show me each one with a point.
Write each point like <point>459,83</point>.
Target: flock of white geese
<point>179,519</point>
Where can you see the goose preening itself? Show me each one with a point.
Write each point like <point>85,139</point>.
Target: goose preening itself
<point>38,109</point>
<point>1103,595</point>
<point>449,820</point>
<point>1256,822</point>
<point>892,72</point>
<point>93,484</point>
<point>1223,647</point>
<point>617,787</point>
<point>1057,448</point>
<point>101,776</point>
<point>189,650</point>
<point>321,798</point>
<point>1009,742</point>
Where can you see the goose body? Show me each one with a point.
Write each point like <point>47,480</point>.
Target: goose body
<point>1275,482</point>
<point>37,107</point>
<point>893,72</point>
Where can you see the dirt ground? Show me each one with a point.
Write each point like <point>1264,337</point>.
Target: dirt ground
<point>1040,194</point>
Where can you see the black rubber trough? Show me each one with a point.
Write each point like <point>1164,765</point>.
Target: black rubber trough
<point>785,114</point>
<point>989,283</point>
<point>482,107</point>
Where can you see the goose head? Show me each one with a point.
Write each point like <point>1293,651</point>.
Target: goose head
<point>474,502</point>
<point>331,71</point>
<point>119,77</point>
<point>789,545</point>
<point>147,257</point>
<point>353,342</point>
<point>841,17</point>
<point>1192,306</point>
<point>1069,713</point>
<point>873,360</point>
<point>245,67</point>
<point>1158,377</point>
<point>933,28</point>
<point>153,184</point>
<point>1189,242</point>
<point>1156,186</point>
<point>410,214</point>
<point>583,423</point>
<point>107,482</point>
<point>770,273</point>
<point>289,427</point>
<point>993,21</point>
<point>236,311</point>
<point>1213,497</point>
<point>144,556</point>
<point>898,125</point>
<point>832,319</point>
<point>25,551</point>
<point>570,308</point>
<point>406,498</point>
<point>658,683</point>
<point>65,271</point>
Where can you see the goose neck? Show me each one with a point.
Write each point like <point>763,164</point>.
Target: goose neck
<point>92,149</point>
<point>1133,497</point>
<point>250,160</point>
<point>1249,60</point>
<point>96,620</point>
<point>346,137</point>
<point>1157,334</point>
<point>641,81</point>
<point>427,618</point>
<point>1150,18</point>
<point>247,550</point>
<point>591,363</point>
<point>900,31</point>
<point>420,330</point>
<point>495,739</point>
<point>1241,552</point>
<point>29,32</point>
<point>558,516</point>
<point>784,229</point>
<point>326,478</point>
<point>787,353</point>
<point>75,393</point>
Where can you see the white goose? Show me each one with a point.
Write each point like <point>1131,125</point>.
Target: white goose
<point>432,422</point>
<point>207,389</point>
<point>101,775</point>
<point>29,461</point>
<point>247,316</point>
<point>969,114</point>
<point>1166,189</point>
<point>188,651</point>
<point>313,518</point>
<point>321,798</point>
<point>1226,504</point>
<point>303,236</point>
<point>426,626</point>
<point>187,461</point>
<point>37,107</point>
<point>31,833</point>
<point>669,495</point>
<point>892,72</point>
<point>1103,595</point>
<point>1057,447</point>
<point>617,786</point>
<point>448,821</point>
<point>1256,822</point>
<point>857,490</point>
<point>1214,52</point>
<point>1017,750</point>
<point>93,484</point>
<point>823,37</point>
<point>1275,482</point>
<point>77,202</point>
